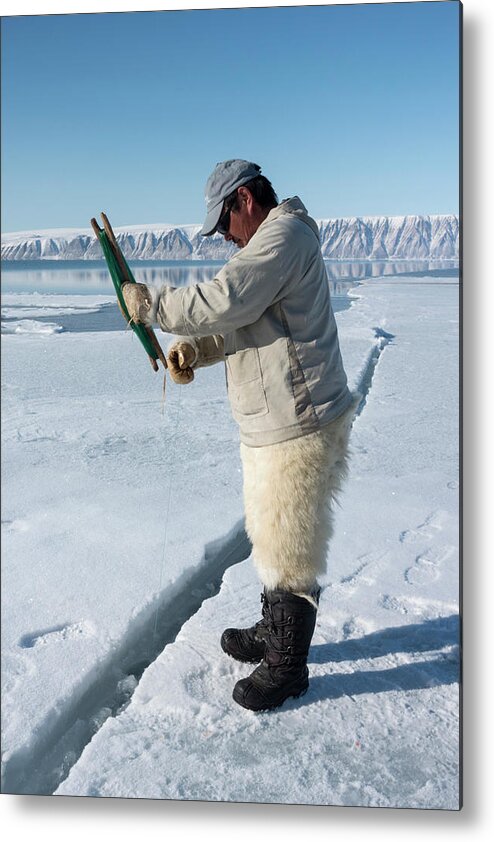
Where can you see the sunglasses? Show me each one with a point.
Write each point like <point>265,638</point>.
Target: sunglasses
<point>223,225</point>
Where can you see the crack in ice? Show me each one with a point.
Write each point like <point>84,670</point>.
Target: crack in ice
<point>39,768</point>
<point>382,339</point>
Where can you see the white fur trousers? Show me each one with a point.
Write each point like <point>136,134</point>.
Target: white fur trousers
<point>289,494</point>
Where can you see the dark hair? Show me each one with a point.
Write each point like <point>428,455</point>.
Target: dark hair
<point>262,191</point>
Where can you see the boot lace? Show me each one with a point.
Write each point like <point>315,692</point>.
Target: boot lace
<point>282,635</point>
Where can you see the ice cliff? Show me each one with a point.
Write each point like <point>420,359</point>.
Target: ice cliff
<point>434,237</point>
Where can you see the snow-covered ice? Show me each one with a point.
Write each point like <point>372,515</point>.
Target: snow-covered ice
<point>124,558</point>
<point>30,326</point>
<point>35,304</point>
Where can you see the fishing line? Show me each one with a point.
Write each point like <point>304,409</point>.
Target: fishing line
<point>168,505</point>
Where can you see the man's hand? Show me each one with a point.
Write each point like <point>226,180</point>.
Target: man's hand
<point>180,358</point>
<point>137,300</point>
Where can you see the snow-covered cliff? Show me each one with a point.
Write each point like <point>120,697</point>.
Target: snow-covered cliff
<point>373,238</point>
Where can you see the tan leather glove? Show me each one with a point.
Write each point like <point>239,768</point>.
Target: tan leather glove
<point>137,300</point>
<point>180,358</point>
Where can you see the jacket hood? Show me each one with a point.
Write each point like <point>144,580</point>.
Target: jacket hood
<point>294,207</point>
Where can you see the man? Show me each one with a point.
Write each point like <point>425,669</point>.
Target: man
<point>268,315</point>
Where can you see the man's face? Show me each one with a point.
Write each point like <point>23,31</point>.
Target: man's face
<point>245,219</point>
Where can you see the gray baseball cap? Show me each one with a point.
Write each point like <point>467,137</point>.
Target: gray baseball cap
<point>225,178</point>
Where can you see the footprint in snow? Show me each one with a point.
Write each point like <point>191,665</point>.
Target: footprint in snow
<point>352,628</point>
<point>393,603</point>
<point>359,575</point>
<point>426,609</point>
<point>57,634</point>
<point>427,566</point>
<point>432,525</point>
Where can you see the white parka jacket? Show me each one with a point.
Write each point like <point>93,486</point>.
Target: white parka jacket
<point>268,314</point>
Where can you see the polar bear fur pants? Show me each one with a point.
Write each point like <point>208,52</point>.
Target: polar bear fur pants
<point>289,494</point>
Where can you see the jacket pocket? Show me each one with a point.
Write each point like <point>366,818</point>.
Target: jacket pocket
<point>245,386</point>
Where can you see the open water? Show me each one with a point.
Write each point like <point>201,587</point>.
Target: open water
<point>92,278</point>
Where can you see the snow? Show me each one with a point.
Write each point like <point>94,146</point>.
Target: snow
<point>45,303</point>
<point>125,557</point>
<point>30,326</point>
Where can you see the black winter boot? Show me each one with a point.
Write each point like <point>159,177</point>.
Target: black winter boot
<point>247,645</point>
<point>283,671</point>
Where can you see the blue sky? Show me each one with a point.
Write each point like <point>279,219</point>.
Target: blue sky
<point>353,108</point>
